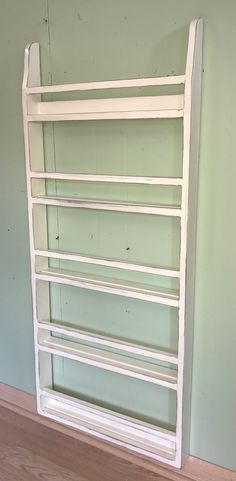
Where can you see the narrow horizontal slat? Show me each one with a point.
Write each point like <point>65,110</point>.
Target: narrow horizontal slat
<point>151,114</point>
<point>108,84</point>
<point>108,263</point>
<point>112,286</point>
<point>110,206</point>
<point>109,342</point>
<point>111,362</point>
<point>101,109</point>
<point>125,179</point>
<point>112,105</point>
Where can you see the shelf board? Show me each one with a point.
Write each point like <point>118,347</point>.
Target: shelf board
<point>104,423</point>
<point>110,361</point>
<point>126,265</point>
<point>169,297</point>
<point>154,209</point>
<point>125,179</point>
<point>110,415</point>
<point>114,343</point>
<point>162,106</point>
<point>108,84</point>
<point>156,114</point>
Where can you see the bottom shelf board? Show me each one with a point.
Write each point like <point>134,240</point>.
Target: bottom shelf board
<point>138,436</point>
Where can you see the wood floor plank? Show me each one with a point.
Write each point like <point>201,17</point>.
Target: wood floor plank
<point>33,452</point>
<point>37,467</point>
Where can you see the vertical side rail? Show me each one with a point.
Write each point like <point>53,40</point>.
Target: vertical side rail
<point>187,256</point>
<point>34,155</point>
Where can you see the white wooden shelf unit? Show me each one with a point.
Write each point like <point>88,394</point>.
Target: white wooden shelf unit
<point>144,438</point>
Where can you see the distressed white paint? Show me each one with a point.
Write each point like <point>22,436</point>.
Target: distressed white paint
<point>33,138</point>
<point>125,179</point>
<point>108,341</point>
<point>99,261</point>
<point>110,84</point>
<point>172,211</point>
<point>190,139</point>
<point>119,115</point>
<point>101,422</point>
<point>135,435</point>
<point>135,290</point>
<point>128,104</point>
<point>110,361</point>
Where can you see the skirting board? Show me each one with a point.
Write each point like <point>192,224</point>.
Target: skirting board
<point>194,469</point>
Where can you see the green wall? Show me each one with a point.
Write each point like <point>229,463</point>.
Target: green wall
<point>89,40</point>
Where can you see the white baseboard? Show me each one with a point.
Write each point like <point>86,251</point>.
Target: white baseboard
<point>194,469</point>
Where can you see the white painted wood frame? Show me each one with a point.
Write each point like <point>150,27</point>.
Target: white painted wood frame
<point>144,438</point>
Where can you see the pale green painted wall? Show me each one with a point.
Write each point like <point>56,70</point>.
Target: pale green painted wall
<point>84,40</point>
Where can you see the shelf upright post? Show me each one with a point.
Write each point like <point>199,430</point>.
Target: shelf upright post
<point>191,123</point>
<point>34,155</point>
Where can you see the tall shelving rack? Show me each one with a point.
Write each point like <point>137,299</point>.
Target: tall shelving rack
<point>136,435</point>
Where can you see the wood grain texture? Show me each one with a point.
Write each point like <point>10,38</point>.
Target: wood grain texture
<point>30,452</point>
<point>35,448</point>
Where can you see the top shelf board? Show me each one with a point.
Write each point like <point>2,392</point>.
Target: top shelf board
<point>143,107</point>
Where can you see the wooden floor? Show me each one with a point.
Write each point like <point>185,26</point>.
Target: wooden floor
<point>32,452</point>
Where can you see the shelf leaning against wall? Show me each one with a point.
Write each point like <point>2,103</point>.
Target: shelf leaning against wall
<point>141,437</point>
